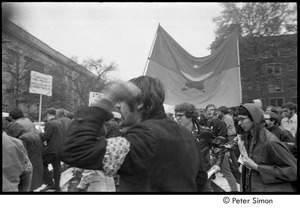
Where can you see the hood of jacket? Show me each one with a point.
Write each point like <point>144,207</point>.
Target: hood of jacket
<point>257,115</point>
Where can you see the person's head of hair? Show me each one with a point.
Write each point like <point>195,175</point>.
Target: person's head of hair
<point>223,109</point>
<point>244,112</point>
<point>211,105</point>
<point>273,117</point>
<point>152,96</point>
<point>16,114</point>
<point>61,113</point>
<point>51,111</point>
<point>290,105</point>
<point>70,115</point>
<point>189,110</point>
<point>208,113</point>
<point>272,109</point>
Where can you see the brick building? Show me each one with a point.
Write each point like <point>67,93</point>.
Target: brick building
<point>269,72</point>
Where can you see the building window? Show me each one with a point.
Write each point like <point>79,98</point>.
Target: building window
<point>294,100</point>
<point>276,102</point>
<point>273,69</point>
<point>275,86</point>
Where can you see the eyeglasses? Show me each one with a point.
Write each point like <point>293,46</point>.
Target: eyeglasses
<point>177,115</point>
<point>242,118</point>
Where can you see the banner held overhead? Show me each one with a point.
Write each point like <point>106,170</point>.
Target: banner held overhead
<point>201,81</point>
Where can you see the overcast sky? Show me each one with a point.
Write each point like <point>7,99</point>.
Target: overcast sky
<point>118,32</point>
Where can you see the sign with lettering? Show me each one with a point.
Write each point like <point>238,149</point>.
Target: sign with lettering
<point>40,83</point>
<point>94,97</point>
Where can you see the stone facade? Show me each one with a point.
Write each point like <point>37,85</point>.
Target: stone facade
<point>21,53</point>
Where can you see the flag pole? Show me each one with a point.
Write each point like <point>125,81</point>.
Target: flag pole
<point>40,110</point>
<point>239,67</point>
<point>150,51</point>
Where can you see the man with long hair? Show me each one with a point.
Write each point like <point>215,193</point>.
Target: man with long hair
<point>155,154</point>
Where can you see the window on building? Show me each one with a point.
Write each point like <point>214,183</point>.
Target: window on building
<point>294,100</point>
<point>273,69</point>
<point>277,102</point>
<point>275,86</point>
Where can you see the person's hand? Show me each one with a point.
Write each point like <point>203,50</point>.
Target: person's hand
<point>121,91</point>
<point>248,162</point>
<point>217,168</point>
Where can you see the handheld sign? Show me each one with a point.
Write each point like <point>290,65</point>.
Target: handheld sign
<point>94,97</point>
<point>40,83</point>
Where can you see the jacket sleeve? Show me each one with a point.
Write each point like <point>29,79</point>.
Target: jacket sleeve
<point>201,177</point>
<point>82,147</point>
<point>284,167</point>
<point>48,132</point>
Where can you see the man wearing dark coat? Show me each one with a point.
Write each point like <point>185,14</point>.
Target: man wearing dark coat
<point>53,136</point>
<point>155,154</point>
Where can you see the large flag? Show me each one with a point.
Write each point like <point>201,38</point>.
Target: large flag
<point>212,79</point>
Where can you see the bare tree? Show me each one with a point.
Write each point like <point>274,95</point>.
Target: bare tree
<point>16,67</point>
<point>95,79</point>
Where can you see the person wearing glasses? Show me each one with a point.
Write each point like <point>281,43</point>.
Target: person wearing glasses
<point>186,115</point>
<point>267,164</point>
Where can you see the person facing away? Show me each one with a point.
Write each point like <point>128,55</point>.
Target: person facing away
<point>16,115</point>
<point>62,117</point>
<point>16,166</point>
<point>33,145</point>
<point>186,115</point>
<point>23,129</point>
<point>53,136</point>
<point>267,164</point>
<point>154,155</point>
<point>290,120</point>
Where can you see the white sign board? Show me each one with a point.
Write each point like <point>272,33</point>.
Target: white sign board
<point>94,97</point>
<point>40,83</point>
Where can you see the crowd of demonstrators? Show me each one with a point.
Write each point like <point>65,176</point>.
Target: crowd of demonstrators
<point>141,148</point>
<point>219,128</point>
<point>187,116</point>
<point>154,154</point>
<point>268,165</point>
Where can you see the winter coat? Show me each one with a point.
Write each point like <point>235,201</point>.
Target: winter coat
<point>33,146</point>
<point>16,166</point>
<point>277,167</point>
<point>156,155</point>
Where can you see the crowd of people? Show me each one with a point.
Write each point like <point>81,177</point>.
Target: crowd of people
<point>145,149</point>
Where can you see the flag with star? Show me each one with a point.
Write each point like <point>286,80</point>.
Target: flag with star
<point>213,79</point>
